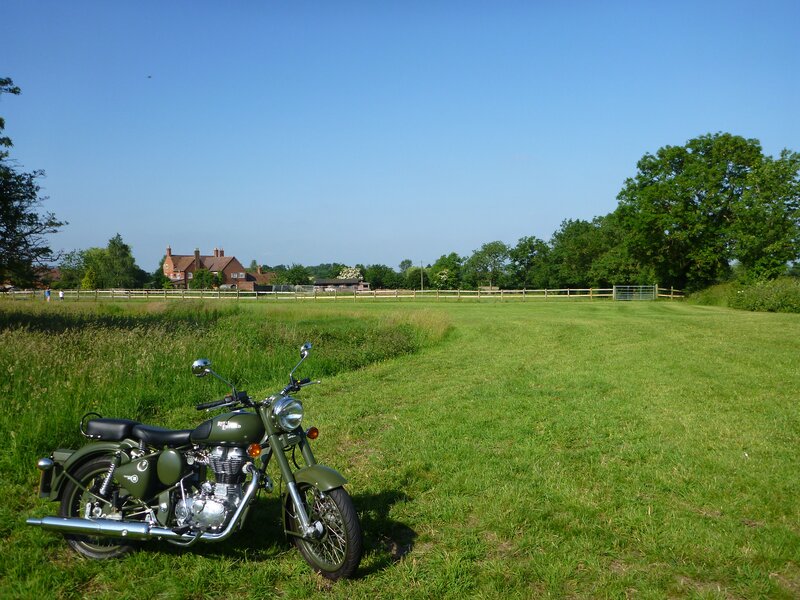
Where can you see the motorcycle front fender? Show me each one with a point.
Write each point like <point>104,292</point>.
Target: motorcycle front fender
<point>66,461</point>
<point>321,477</point>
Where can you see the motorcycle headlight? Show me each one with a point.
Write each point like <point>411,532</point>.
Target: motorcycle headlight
<point>288,413</point>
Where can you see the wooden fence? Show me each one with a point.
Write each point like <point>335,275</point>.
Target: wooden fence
<point>352,296</point>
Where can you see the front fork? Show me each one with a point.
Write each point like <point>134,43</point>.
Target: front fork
<point>308,529</point>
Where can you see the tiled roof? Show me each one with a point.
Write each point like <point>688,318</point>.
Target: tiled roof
<point>213,263</point>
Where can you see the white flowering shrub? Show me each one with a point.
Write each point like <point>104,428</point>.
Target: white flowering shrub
<point>350,273</point>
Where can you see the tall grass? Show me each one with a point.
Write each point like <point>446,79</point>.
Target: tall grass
<point>779,295</point>
<point>61,361</point>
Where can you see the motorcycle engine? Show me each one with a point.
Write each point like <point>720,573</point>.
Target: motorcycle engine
<point>210,507</point>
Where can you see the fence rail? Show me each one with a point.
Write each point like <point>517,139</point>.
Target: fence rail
<point>306,295</point>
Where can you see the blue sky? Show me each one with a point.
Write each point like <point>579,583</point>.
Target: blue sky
<point>371,132</point>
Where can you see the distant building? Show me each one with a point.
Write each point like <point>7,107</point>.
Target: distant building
<point>180,269</point>
<point>332,285</point>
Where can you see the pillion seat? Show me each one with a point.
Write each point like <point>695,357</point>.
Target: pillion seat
<point>109,430</point>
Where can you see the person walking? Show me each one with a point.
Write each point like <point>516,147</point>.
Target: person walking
<point>47,295</point>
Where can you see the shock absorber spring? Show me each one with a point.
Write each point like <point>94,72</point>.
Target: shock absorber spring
<point>109,476</point>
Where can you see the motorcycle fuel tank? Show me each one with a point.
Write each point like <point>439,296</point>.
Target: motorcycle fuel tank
<point>238,428</point>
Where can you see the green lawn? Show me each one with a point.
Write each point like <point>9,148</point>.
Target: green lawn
<point>589,449</point>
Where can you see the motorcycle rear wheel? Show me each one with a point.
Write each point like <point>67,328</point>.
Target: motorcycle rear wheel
<point>73,504</point>
<point>338,551</point>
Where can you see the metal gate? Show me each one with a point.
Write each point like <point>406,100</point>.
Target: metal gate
<point>635,292</point>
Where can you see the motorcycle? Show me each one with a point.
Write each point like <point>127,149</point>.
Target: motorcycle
<point>136,482</point>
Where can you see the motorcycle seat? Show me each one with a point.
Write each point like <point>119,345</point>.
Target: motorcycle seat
<point>158,436</point>
<point>111,430</point>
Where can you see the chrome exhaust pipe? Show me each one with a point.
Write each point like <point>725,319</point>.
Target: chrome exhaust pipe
<point>141,531</point>
<point>101,527</point>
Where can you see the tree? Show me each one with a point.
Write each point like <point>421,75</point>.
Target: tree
<point>157,279</point>
<point>72,270</point>
<point>296,275</point>
<point>6,87</point>
<point>23,245</point>
<point>445,273</point>
<point>574,247</point>
<point>382,277</point>
<point>405,265</point>
<point>691,210</point>
<point>89,279</point>
<point>203,279</point>
<point>109,267</point>
<point>487,265</point>
<point>119,268</point>
<point>766,231</point>
<point>326,270</point>
<point>529,263</point>
<point>415,278</point>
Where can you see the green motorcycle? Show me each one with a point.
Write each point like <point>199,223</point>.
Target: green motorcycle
<point>137,482</point>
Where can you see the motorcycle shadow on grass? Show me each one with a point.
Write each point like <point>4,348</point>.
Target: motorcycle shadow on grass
<point>386,541</point>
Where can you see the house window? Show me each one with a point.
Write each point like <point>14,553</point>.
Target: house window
<point>241,275</point>
<point>190,275</point>
<point>234,276</point>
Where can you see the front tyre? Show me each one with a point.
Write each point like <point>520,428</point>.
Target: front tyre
<point>81,502</point>
<point>337,552</point>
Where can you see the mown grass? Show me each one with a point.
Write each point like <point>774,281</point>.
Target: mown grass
<point>514,450</point>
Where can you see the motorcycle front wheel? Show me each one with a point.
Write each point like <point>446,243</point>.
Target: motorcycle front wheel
<point>81,502</point>
<point>337,552</point>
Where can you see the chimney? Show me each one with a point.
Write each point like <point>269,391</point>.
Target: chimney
<point>216,252</point>
<point>221,252</point>
<point>169,251</point>
<point>196,259</point>
<point>258,269</point>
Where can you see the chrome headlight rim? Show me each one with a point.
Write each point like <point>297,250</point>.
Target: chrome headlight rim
<point>287,413</point>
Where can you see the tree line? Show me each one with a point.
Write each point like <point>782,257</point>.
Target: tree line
<point>691,216</point>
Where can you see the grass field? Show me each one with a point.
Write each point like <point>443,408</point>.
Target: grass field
<point>590,449</point>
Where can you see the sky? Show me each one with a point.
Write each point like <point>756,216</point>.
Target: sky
<point>373,132</point>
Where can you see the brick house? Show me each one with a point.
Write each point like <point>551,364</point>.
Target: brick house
<point>180,268</point>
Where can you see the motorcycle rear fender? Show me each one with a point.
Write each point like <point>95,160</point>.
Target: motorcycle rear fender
<point>66,461</point>
<point>321,477</point>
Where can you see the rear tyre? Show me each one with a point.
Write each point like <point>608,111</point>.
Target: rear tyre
<point>77,502</point>
<point>337,553</point>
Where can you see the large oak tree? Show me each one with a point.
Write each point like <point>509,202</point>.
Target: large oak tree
<point>691,210</point>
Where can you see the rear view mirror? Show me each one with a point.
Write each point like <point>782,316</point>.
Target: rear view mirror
<point>201,366</point>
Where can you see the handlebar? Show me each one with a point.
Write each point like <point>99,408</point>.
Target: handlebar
<point>296,385</point>
<point>241,397</point>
